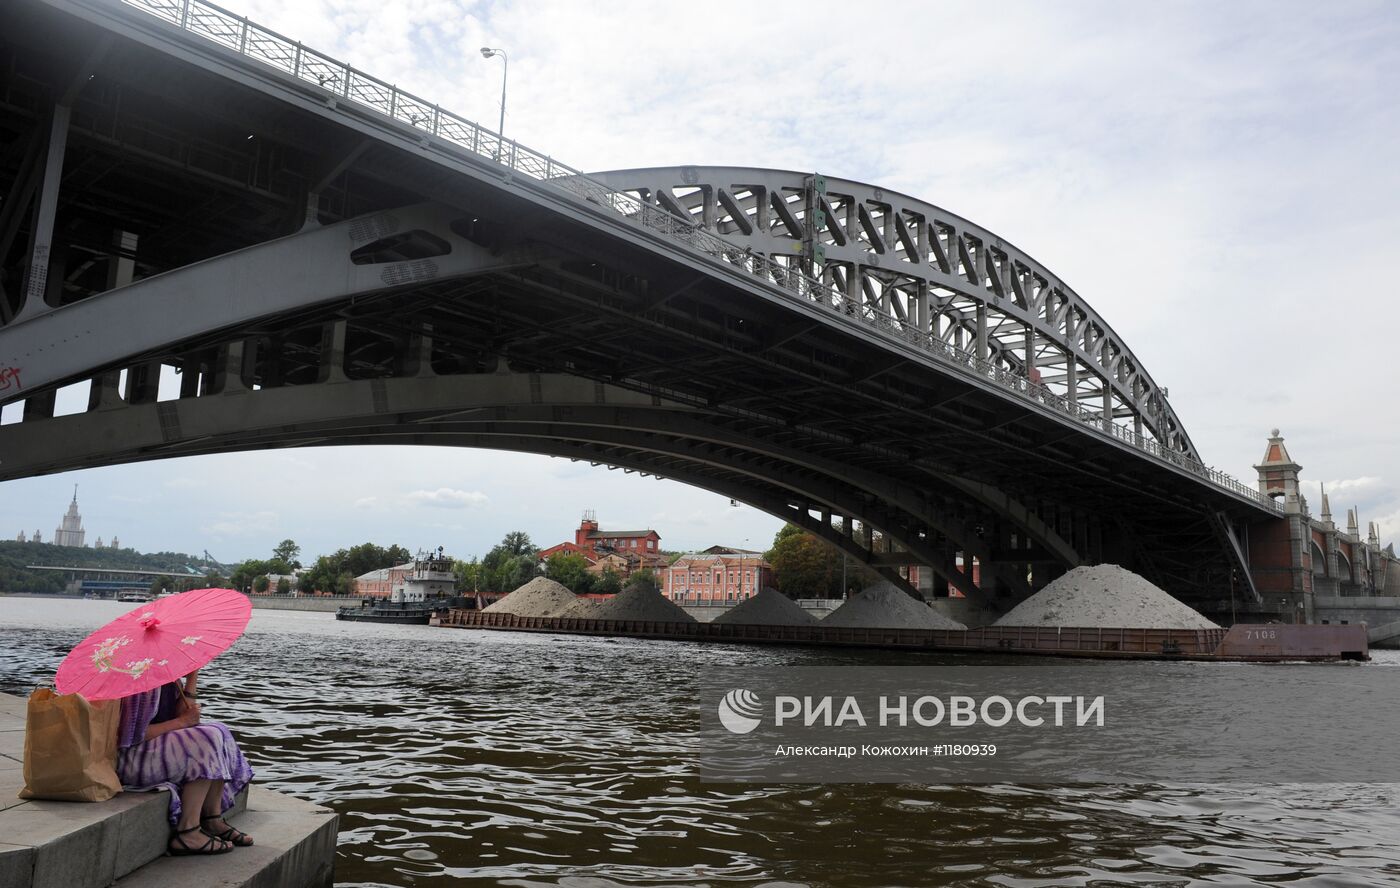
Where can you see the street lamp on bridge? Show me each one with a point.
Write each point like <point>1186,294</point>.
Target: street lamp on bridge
<point>488,52</point>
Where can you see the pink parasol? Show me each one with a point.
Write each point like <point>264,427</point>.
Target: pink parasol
<point>156,643</point>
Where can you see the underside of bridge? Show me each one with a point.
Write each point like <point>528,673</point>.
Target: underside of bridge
<point>320,277</point>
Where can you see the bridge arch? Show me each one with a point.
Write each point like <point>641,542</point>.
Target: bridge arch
<point>970,399</point>
<point>919,265</point>
<point>553,415</point>
<point>1320,567</point>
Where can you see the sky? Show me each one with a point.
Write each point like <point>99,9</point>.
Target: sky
<point>1219,181</point>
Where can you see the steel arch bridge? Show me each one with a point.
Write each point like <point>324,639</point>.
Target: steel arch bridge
<point>324,259</point>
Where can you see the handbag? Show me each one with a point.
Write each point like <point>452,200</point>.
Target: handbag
<point>70,748</point>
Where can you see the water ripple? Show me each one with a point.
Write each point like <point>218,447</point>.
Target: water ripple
<point>479,758</point>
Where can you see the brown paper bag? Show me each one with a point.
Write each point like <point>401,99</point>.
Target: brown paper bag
<point>70,748</point>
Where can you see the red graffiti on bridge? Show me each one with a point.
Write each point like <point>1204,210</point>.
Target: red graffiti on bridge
<point>9,376</point>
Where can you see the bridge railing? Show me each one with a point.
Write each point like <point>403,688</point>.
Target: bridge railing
<point>237,33</point>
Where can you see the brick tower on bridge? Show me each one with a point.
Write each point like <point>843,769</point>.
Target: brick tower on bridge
<point>1309,569</point>
<point>1278,474</point>
<point>1278,548</point>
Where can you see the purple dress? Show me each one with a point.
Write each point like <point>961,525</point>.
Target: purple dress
<point>206,751</point>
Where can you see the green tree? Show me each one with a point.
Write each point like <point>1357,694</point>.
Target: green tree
<point>571,570</point>
<point>646,579</point>
<point>15,576</point>
<point>517,571</point>
<point>284,586</point>
<point>468,573</point>
<point>609,582</point>
<point>261,583</point>
<point>287,552</point>
<point>327,574</point>
<point>243,575</point>
<point>510,564</point>
<point>804,566</point>
<point>517,542</point>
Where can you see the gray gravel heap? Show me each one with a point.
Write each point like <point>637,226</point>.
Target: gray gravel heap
<point>639,603</point>
<point>1104,596</point>
<point>885,606</point>
<point>768,608</point>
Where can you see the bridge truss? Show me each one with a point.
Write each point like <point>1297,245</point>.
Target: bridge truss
<point>325,259</point>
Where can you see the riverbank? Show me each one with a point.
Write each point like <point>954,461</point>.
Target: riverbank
<point>313,603</point>
<point>121,842</point>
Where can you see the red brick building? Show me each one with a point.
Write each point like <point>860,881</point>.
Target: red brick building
<point>634,549</point>
<point>380,583</point>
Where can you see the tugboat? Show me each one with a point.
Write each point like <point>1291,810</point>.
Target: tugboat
<point>416,597</point>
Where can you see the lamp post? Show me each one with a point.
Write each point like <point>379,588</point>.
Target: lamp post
<point>742,552</point>
<point>488,52</point>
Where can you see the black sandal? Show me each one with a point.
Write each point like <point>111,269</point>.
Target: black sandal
<point>232,835</point>
<point>180,849</point>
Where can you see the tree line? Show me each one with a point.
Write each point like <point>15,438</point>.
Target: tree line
<point>803,566</point>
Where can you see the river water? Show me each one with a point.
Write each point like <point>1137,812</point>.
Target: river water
<point>466,757</point>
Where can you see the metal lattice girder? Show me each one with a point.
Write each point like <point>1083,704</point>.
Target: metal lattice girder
<point>918,264</point>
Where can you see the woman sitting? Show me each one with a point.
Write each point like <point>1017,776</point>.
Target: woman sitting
<point>163,745</point>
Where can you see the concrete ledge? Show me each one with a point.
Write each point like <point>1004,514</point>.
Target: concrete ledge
<point>47,844</point>
<point>295,849</point>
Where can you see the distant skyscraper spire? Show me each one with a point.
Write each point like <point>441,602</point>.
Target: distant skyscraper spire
<point>70,531</point>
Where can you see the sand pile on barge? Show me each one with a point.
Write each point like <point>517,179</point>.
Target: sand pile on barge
<point>768,608</point>
<point>541,597</point>
<point>582,609</point>
<point>637,603</point>
<point>1104,596</point>
<point>885,606</point>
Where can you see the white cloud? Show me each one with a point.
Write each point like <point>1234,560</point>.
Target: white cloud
<point>1390,528</point>
<point>185,483</point>
<point>240,524</point>
<point>1349,485</point>
<point>448,498</point>
<point>1340,486</point>
<point>1179,168</point>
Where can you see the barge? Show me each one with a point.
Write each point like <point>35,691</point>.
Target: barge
<point>1272,642</point>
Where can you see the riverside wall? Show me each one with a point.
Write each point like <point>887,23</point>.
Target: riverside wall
<point>321,603</point>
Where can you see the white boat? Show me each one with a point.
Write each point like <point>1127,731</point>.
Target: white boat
<point>416,596</point>
<point>135,596</point>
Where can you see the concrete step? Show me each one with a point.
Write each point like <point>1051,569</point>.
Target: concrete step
<point>96,844</point>
<point>295,849</point>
